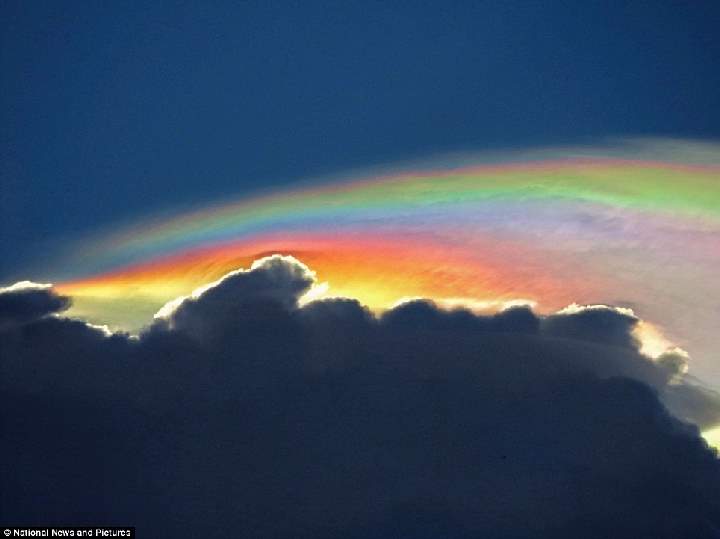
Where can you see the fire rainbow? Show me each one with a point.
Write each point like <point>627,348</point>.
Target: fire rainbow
<point>550,231</point>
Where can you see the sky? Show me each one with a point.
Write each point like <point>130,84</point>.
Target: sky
<point>522,178</point>
<point>110,112</point>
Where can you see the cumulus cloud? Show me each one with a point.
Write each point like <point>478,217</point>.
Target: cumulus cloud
<point>241,411</point>
<point>272,283</point>
<point>595,323</point>
<point>26,301</point>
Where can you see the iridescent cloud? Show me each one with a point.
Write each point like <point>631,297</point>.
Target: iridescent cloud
<point>635,225</point>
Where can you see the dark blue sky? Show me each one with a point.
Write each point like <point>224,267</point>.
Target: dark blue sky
<point>114,109</point>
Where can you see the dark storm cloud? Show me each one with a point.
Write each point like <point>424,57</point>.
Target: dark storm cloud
<point>27,301</point>
<point>239,413</point>
<point>693,402</point>
<point>272,284</point>
<point>600,324</point>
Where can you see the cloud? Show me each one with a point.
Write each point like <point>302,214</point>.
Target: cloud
<point>240,411</point>
<point>272,283</point>
<point>26,301</point>
<point>595,323</point>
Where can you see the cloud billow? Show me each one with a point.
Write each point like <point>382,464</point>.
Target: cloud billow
<point>27,301</point>
<point>240,413</point>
